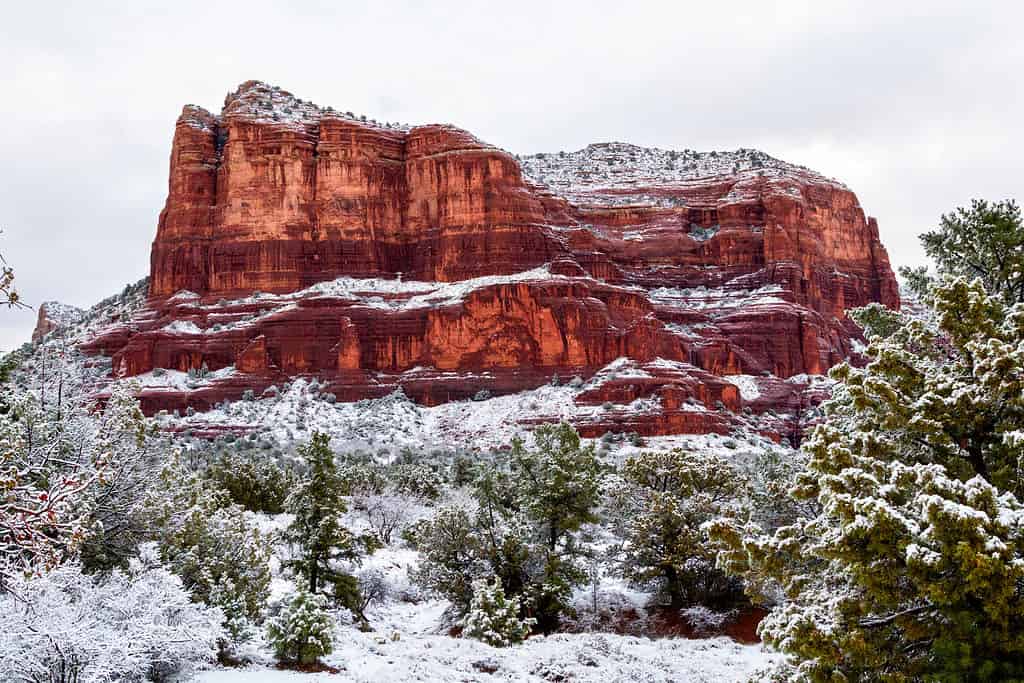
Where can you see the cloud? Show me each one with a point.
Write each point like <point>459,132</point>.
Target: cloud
<point>914,105</point>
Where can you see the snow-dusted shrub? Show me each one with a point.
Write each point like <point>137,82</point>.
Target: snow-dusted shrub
<point>67,627</point>
<point>482,395</point>
<point>362,479</point>
<point>671,494</point>
<point>257,481</point>
<point>493,618</point>
<point>387,513</point>
<point>303,631</point>
<point>54,457</point>
<point>416,480</point>
<point>213,546</point>
<point>373,587</point>
<point>452,556</point>
<point>706,621</point>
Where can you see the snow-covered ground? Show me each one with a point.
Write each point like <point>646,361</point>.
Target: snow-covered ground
<point>389,425</point>
<point>607,658</point>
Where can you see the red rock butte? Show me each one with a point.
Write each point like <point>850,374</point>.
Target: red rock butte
<point>298,240</point>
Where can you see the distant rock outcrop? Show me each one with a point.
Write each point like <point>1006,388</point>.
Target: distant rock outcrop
<point>297,240</point>
<point>54,316</point>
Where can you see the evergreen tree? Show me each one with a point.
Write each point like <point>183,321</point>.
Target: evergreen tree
<point>912,566</point>
<point>523,532</point>
<point>493,618</point>
<point>672,495</point>
<point>557,481</point>
<point>316,533</point>
<point>985,241</point>
<point>304,631</point>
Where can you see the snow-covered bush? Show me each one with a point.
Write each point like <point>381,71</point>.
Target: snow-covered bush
<point>255,480</point>
<point>493,618</point>
<point>706,621</point>
<point>67,627</point>
<point>54,458</point>
<point>217,551</point>
<point>416,480</point>
<point>387,513</point>
<point>670,495</point>
<point>303,631</point>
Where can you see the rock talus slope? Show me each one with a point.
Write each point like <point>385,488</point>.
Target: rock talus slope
<point>297,240</point>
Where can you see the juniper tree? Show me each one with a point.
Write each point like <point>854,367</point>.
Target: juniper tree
<point>523,531</point>
<point>985,241</point>
<point>556,481</point>
<point>913,566</point>
<point>672,494</point>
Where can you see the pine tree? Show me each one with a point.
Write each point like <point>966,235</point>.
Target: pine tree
<point>985,241</point>
<point>304,631</point>
<point>493,618</point>
<point>316,532</point>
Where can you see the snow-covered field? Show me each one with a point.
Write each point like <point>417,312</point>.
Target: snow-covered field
<point>562,657</point>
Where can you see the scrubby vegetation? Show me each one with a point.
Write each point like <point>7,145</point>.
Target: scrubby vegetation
<point>889,548</point>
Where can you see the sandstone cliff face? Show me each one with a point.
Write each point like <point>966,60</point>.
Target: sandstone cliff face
<point>53,317</point>
<point>301,241</point>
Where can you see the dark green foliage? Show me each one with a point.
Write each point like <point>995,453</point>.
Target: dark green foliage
<point>909,563</point>
<point>316,534</point>
<point>672,494</point>
<point>524,532</point>
<point>985,241</point>
<point>254,479</point>
<point>556,483</point>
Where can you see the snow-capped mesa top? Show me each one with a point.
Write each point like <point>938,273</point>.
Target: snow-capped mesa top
<point>583,175</point>
<point>264,103</point>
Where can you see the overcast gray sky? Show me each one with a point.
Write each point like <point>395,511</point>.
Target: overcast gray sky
<point>917,106</point>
